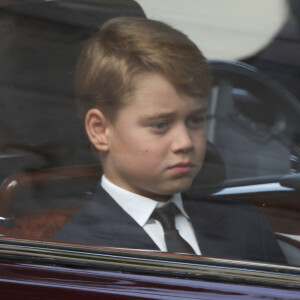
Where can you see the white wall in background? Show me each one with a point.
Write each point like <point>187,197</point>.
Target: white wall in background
<point>227,29</point>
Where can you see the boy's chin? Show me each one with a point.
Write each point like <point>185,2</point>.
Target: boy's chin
<point>164,193</point>
<point>179,188</point>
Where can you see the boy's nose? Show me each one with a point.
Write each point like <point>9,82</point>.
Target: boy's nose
<point>182,140</point>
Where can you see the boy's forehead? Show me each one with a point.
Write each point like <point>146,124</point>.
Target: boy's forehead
<point>152,87</point>
<point>169,109</point>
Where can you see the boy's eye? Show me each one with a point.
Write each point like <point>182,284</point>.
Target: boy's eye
<point>159,125</point>
<point>162,125</point>
<point>196,121</point>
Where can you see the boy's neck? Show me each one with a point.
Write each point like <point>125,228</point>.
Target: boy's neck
<point>153,196</point>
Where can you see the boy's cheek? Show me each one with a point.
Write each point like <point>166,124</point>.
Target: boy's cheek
<point>201,143</point>
<point>145,158</point>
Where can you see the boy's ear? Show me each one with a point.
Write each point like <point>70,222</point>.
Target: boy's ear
<point>96,126</point>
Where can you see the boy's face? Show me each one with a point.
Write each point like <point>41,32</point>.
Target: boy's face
<point>156,145</point>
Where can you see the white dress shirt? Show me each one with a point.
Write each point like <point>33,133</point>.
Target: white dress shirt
<point>141,208</point>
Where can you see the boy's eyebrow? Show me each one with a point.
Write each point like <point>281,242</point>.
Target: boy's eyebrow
<point>200,110</point>
<point>170,114</point>
<point>157,116</point>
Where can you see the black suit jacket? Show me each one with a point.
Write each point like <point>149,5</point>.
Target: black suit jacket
<point>224,228</point>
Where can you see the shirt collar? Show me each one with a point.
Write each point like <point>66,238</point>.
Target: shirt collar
<point>138,207</point>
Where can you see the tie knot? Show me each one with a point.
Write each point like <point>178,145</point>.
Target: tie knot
<point>166,215</point>
<point>174,241</point>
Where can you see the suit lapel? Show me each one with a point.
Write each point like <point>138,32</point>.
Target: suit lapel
<point>212,227</point>
<point>111,226</point>
<point>114,226</point>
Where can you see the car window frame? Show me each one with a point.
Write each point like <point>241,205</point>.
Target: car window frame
<point>152,262</point>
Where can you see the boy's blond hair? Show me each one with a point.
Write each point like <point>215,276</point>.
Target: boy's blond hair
<point>123,49</point>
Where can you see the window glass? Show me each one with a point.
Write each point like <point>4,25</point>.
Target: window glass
<point>50,170</point>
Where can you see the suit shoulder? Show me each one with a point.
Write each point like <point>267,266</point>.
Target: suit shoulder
<point>198,198</point>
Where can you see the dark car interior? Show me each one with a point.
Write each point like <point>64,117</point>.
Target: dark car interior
<point>37,105</point>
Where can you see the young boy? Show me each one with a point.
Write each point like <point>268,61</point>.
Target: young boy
<point>141,88</point>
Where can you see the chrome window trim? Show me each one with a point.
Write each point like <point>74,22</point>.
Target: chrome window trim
<point>255,188</point>
<point>149,263</point>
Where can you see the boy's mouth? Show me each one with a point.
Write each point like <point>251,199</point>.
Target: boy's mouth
<point>182,167</point>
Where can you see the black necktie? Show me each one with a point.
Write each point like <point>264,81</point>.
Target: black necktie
<point>166,216</point>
